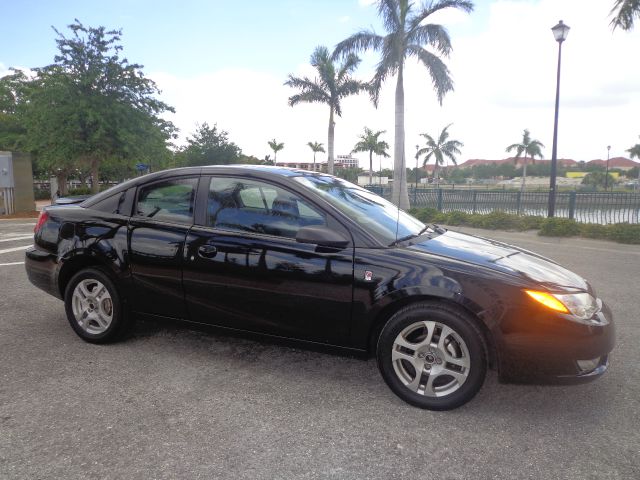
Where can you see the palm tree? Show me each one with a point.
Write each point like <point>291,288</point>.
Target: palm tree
<point>334,83</point>
<point>634,152</point>
<point>369,143</point>
<point>315,148</point>
<point>407,32</point>
<point>530,148</point>
<point>440,148</point>
<point>623,12</point>
<point>276,147</point>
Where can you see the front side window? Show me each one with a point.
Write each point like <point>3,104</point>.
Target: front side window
<point>170,201</point>
<point>258,207</point>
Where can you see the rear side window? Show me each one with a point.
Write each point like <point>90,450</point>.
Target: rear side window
<point>120,203</point>
<point>169,201</point>
<point>258,207</point>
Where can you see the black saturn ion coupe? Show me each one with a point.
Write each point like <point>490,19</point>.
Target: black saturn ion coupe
<point>306,256</point>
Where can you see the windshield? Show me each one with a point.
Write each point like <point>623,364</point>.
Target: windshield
<point>375,214</point>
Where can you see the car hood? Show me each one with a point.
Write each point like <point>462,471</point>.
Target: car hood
<point>502,257</point>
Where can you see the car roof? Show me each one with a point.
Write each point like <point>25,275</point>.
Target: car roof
<point>265,171</point>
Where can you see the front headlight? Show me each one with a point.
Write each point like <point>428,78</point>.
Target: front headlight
<point>581,305</point>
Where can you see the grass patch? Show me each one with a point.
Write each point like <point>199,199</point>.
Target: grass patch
<point>552,227</point>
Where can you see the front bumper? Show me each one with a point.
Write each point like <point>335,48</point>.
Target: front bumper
<point>552,348</point>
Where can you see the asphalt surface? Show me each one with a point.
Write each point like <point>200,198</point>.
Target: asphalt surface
<point>171,403</point>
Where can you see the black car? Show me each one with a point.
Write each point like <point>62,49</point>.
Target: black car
<point>307,256</point>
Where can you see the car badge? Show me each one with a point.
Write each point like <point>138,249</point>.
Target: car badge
<point>368,275</point>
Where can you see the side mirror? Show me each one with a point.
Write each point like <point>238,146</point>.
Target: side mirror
<point>321,236</point>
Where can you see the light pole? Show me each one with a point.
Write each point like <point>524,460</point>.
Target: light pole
<point>560,32</point>
<point>606,178</point>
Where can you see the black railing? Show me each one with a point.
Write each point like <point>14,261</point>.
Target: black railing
<point>585,207</point>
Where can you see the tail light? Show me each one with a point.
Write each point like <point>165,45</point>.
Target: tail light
<point>44,216</point>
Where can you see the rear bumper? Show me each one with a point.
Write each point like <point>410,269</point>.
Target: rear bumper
<point>555,349</point>
<point>42,270</point>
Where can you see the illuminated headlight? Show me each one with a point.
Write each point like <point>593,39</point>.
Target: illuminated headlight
<point>581,305</point>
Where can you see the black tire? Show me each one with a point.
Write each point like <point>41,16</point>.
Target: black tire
<point>472,353</point>
<point>120,318</point>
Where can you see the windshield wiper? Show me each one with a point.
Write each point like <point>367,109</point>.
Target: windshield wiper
<point>436,228</point>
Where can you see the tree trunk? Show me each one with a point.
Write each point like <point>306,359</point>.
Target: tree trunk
<point>62,183</point>
<point>330,141</point>
<point>435,171</point>
<point>524,174</point>
<point>399,194</point>
<point>95,180</point>
<point>314,161</point>
<point>370,167</point>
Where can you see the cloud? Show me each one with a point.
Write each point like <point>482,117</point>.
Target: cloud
<point>344,19</point>
<point>366,3</point>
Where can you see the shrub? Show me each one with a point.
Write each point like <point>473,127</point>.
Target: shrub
<point>500,220</point>
<point>425,215</point>
<point>624,232</point>
<point>559,227</point>
<point>529,222</point>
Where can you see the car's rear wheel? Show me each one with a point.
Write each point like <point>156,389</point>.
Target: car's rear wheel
<point>432,355</point>
<point>94,308</point>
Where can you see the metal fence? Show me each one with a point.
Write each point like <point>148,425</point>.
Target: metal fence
<point>585,207</point>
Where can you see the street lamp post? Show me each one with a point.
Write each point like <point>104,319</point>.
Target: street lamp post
<point>560,32</point>
<point>606,178</point>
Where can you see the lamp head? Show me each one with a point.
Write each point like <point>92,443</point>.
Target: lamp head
<point>560,32</point>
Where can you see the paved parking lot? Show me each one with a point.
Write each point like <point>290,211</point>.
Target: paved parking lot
<point>174,403</point>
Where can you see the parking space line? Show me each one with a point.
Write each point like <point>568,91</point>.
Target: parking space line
<point>15,249</point>
<point>12,239</point>
<point>11,263</point>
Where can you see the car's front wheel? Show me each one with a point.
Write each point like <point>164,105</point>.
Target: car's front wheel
<point>94,308</point>
<point>432,355</point>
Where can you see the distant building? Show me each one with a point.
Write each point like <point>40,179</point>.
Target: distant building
<point>341,161</point>
<point>616,162</point>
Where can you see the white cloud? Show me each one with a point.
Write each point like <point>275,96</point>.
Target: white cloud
<point>366,3</point>
<point>344,19</point>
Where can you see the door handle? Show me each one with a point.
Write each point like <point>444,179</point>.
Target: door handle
<point>207,251</point>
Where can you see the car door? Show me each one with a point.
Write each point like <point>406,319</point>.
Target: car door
<point>162,215</point>
<point>245,270</point>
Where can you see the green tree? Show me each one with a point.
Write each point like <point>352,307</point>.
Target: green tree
<point>440,148</point>
<point>315,148</point>
<point>598,179</point>
<point>634,152</point>
<point>209,146</point>
<point>349,174</point>
<point>530,148</point>
<point>91,105</point>
<point>625,12</point>
<point>12,129</point>
<point>276,147</point>
<point>407,34</point>
<point>370,142</point>
<point>334,83</point>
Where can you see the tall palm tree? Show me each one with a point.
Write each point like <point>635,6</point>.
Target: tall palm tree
<point>276,147</point>
<point>334,83</point>
<point>369,142</point>
<point>407,34</point>
<point>625,12</point>
<point>440,148</point>
<point>315,148</point>
<point>530,148</point>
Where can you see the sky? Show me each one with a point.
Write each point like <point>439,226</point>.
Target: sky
<point>225,63</point>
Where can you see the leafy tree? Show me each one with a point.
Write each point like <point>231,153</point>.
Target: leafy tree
<point>407,32</point>
<point>315,148</point>
<point>334,83</point>
<point>209,146</point>
<point>92,106</point>
<point>625,12</point>
<point>598,179</point>
<point>276,147</point>
<point>369,142</point>
<point>349,174</point>
<point>528,147</point>
<point>12,129</point>
<point>440,148</point>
